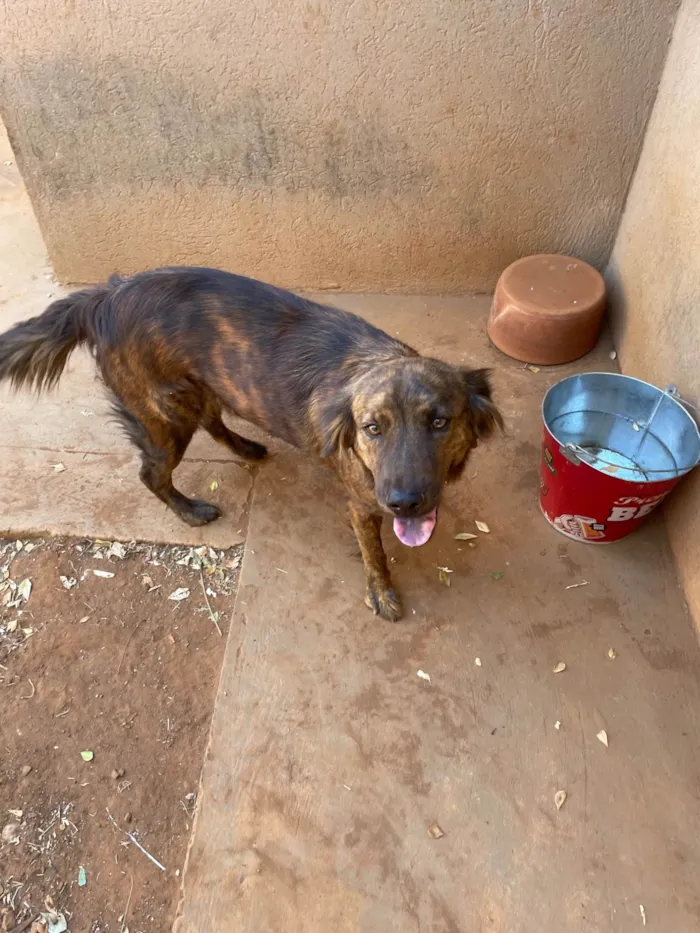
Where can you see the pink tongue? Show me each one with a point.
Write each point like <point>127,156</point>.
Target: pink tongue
<point>413,532</point>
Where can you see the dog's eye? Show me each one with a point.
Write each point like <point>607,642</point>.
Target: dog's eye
<point>372,430</point>
<point>439,424</point>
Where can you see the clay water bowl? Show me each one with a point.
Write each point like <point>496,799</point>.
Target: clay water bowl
<point>547,309</point>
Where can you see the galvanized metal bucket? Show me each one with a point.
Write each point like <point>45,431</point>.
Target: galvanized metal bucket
<point>613,449</point>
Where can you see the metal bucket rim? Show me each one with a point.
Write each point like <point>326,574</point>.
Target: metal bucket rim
<point>624,378</point>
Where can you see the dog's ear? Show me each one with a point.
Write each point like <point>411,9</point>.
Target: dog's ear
<point>485,417</point>
<point>333,422</point>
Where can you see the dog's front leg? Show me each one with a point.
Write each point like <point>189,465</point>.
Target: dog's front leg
<point>380,596</point>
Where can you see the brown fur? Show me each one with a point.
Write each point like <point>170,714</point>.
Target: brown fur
<point>178,346</point>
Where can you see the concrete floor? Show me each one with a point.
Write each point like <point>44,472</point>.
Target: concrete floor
<point>329,757</point>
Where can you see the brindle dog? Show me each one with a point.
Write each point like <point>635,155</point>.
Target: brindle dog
<point>177,346</point>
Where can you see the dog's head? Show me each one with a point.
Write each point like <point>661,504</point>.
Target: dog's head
<point>412,423</point>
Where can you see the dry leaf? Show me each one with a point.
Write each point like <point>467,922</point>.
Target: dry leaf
<point>559,799</point>
<point>106,574</point>
<point>643,915</point>
<point>557,725</point>
<point>533,369</point>
<point>435,832</point>
<point>424,676</point>
<point>58,468</point>
<point>602,736</point>
<point>613,355</point>
<point>477,661</point>
<point>179,594</point>
<point>117,549</point>
<point>10,834</point>
<point>465,536</point>
<point>482,526</point>
<point>444,576</point>
<point>561,666</point>
<point>24,590</point>
<point>612,653</point>
<point>68,582</point>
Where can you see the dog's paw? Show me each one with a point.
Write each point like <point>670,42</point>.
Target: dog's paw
<point>383,601</point>
<point>200,513</point>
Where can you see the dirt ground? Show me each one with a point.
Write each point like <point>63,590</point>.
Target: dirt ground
<point>98,662</point>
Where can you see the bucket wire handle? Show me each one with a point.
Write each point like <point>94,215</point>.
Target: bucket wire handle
<point>576,454</point>
<point>669,390</point>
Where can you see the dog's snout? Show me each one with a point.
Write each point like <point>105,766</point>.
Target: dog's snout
<point>405,502</point>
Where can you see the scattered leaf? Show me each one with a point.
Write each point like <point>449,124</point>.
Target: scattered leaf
<point>56,923</point>
<point>179,594</point>
<point>497,575</point>
<point>477,661</point>
<point>68,582</point>
<point>533,369</point>
<point>613,354</point>
<point>561,666</point>
<point>424,676</point>
<point>435,832</point>
<point>24,589</point>
<point>213,485</point>
<point>612,654</point>
<point>10,834</point>
<point>602,736</point>
<point>482,526</point>
<point>643,915</point>
<point>12,626</point>
<point>559,799</point>
<point>87,755</point>
<point>465,536</point>
<point>146,581</point>
<point>444,576</point>
<point>105,574</point>
<point>18,814</point>
<point>58,468</point>
<point>635,426</point>
<point>82,877</point>
<point>557,725</point>
<point>117,549</point>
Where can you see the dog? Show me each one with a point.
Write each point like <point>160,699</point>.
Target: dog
<point>179,346</point>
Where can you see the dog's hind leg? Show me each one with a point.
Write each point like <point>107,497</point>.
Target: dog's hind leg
<point>162,428</point>
<point>213,423</point>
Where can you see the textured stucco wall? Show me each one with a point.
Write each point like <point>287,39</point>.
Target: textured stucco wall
<point>654,273</point>
<point>407,144</point>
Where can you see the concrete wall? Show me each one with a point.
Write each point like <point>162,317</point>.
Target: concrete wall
<point>654,274</point>
<point>407,144</point>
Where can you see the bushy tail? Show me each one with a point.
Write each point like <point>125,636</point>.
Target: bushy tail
<point>34,353</point>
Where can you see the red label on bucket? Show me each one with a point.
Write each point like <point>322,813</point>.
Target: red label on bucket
<point>590,505</point>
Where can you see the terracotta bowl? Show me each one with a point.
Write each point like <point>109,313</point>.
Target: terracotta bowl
<point>547,309</point>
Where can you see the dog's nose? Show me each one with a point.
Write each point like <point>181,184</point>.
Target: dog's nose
<point>404,502</point>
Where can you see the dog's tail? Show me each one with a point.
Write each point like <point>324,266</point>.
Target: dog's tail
<point>34,353</point>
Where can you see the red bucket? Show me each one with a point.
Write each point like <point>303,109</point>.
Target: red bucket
<point>613,448</point>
